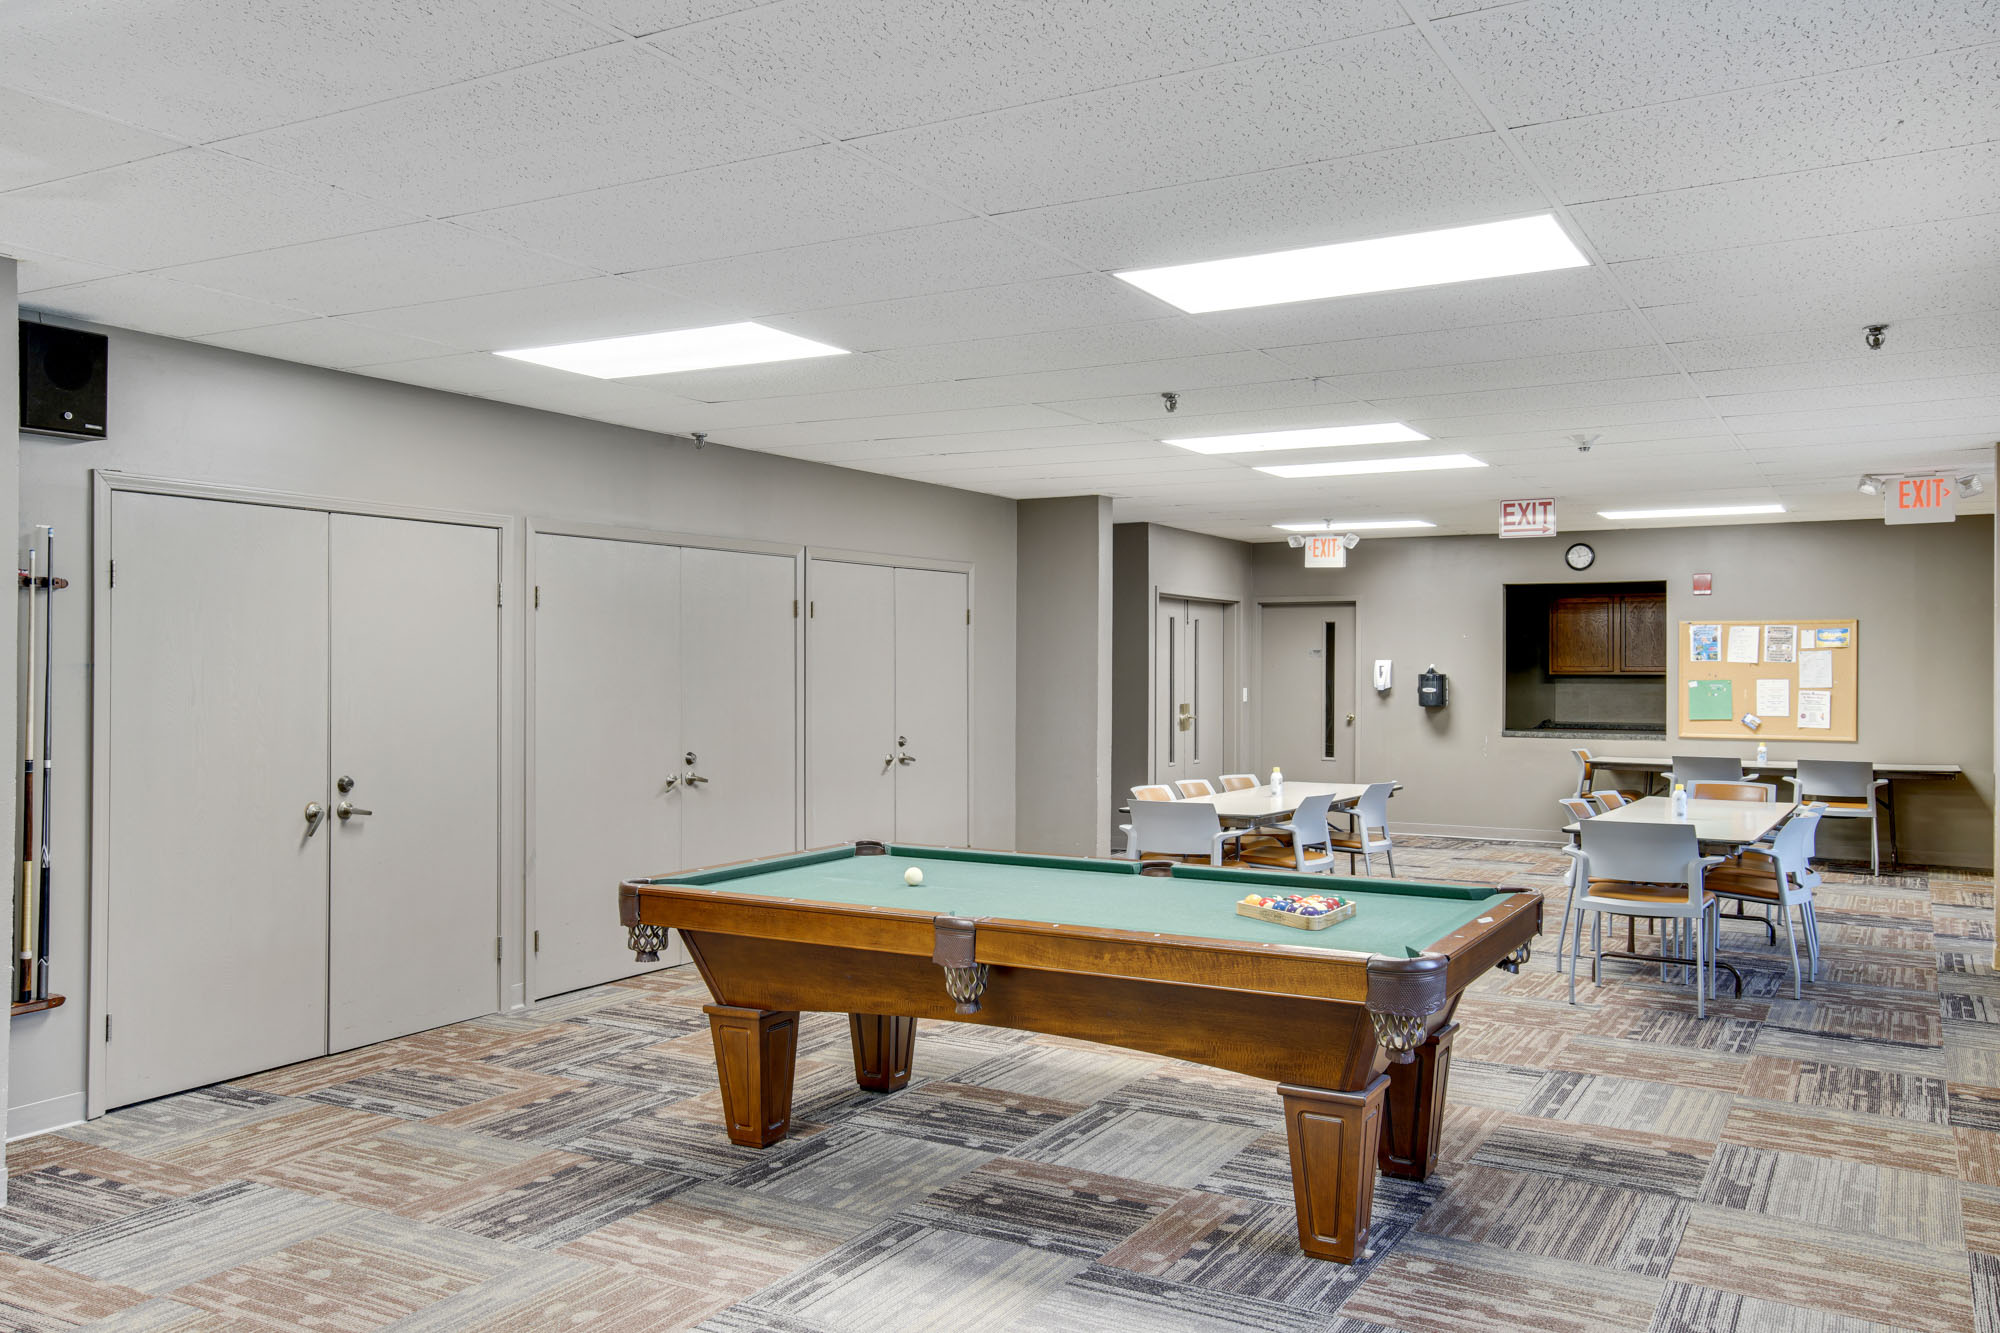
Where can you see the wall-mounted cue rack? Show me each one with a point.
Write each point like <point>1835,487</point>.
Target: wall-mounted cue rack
<point>31,893</point>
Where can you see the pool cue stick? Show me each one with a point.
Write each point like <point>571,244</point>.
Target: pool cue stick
<point>24,976</point>
<point>48,758</point>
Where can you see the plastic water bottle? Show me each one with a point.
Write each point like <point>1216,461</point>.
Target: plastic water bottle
<point>1763,754</point>
<point>1680,800</point>
<point>1277,780</point>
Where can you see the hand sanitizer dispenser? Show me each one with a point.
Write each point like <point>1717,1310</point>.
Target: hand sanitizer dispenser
<point>1431,688</point>
<point>1382,674</point>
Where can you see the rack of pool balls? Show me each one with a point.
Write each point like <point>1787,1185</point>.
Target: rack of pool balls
<point>1307,911</point>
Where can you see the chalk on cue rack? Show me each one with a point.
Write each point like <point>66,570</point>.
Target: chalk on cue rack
<point>913,876</point>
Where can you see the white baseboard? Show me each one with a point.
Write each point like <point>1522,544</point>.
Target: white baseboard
<point>41,1117</point>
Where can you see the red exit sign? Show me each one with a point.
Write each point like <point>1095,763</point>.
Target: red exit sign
<point>1527,518</point>
<point>1920,500</point>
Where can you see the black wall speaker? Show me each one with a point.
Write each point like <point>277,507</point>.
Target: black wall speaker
<point>62,381</point>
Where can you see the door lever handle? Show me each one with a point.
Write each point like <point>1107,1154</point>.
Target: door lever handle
<point>694,780</point>
<point>348,809</point>
<point>906,759</point>
<point>673,781</point>
<point>315,815</point>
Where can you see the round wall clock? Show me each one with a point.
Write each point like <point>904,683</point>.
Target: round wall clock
<point>1579,555</point>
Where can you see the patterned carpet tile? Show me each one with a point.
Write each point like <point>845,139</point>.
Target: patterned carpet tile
<point>1824,1164</point>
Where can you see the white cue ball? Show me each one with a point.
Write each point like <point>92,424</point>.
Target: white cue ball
<point>913,876</point>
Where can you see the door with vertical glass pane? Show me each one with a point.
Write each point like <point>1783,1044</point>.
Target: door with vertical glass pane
<point>1306,718</point>
<point>1191,665</point>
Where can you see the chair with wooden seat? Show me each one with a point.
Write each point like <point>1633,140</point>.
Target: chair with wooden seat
<point>1649,870</point>
<point>1180,829</point>
<point>1150,792</point>
<point>1609,799</point>
<point>1195,788</point>
<point>1368,830</point>
<point>1704,768</point>
<point>1293,844</point>
<point>1765,792</point>
<point>1847,788</point>
<point>1238,781</point>
<point>1780,876</point>
<point>1586,777</point>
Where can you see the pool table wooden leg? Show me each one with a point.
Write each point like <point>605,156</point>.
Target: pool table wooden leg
<point>754,1050</point>
<point>1333,1139</point>
<point>883,1047</point>
<point>1414,1113</point>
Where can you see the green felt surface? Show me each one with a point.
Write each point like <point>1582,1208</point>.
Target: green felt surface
<point>1393,918</point>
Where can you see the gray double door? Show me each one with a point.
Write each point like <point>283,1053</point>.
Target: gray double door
<point>665,732</point>
<point>302,826</point>
<point>1191,666</point>
<point>887,704</point>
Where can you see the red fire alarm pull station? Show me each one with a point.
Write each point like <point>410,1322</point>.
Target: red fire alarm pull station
<point>1704,584</point>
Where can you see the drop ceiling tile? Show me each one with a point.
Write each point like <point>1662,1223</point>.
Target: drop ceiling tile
<point>1587,396</point>
<point>46,142</point>
<point>425,261</point>
<point>642,18</point>
<point>1816,264</point>
<point>780,379</point>
<point>1863,196</point>
<point>483,376</point>
<point>1957,430</point>
<point>1842,344</point>
<point>840,404</point>
<point>206,69</point>
<point>153,304</point>
<point>893,427</point>
<point>1200,407</point>
<point>1481,343</point>
<point>195,205</point>
<point>1462,305</point>
<point>1560,423</point>
<point>1452,183</point>
<point>1081,300</point>
<point>336,343</point>
<point>1563,58</point>
<point>1925,391</point>
<point>917,261</point>
<point>1147,378</point>
<point>1382,91</point>
<point>602,117</point>
<point>36,271</point>
<point>815,194</point>
<point>1844,309</point>
<point>1891,417</point>
<point>1908,107</point>
<point>1615,363</point>
<point>1881,368</point>
<point>538,316</point>
<point>1034,438</point>
<point>1117,344</point>
<point>855,67</point>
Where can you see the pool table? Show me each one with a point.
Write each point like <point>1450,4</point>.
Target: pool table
<point>1354,1022</point>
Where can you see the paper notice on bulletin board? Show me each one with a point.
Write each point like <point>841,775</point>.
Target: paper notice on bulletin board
<point>1704,643</point>
<point>1780,642</point>
<point>1815,709</point>
<point>1831,638</point>
<point>1774,698</point>
<point>1710,701</point>
<point>1816,669</point>
<point>1742,643</point>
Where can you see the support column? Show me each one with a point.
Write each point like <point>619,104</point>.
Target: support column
<point>1062,728</point>
<point>10,507</point>
<point>1334,1137</point>
<point>754,1053</point>
<point>1413,1113</point>
<point>883,1047</point>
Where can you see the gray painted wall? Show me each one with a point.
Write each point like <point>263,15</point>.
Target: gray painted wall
<point>1923,596</point>
<point>198,413</point>
<point>1063,675</point>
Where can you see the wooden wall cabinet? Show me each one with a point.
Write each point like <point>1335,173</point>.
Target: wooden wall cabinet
<point>1622,634</point>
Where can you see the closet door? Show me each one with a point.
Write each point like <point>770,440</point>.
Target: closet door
<point>217,931</point>
<point>415,720</point>
<point>851,703</point>
<point>932,716</point>
<point>739,702</point>
<point>607,758</point>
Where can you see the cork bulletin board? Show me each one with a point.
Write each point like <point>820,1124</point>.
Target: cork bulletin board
<point>1800,678</point>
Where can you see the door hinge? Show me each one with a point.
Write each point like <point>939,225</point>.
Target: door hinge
<point>538,941</point>
<point>107,1027</point>
<point>497,956</point>
<point>538,596</point>
<point>112,582</point>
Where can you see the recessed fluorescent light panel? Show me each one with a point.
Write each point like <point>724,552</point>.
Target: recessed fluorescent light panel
<point>1363,466</point>
<point>1320,437</point>
<point>1356,525</point>
<point>1384,264</point>
<point>1699,511</point>
<point>746,344</point>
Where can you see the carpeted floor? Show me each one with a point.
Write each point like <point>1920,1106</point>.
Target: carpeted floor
<point>1824,1165</point>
